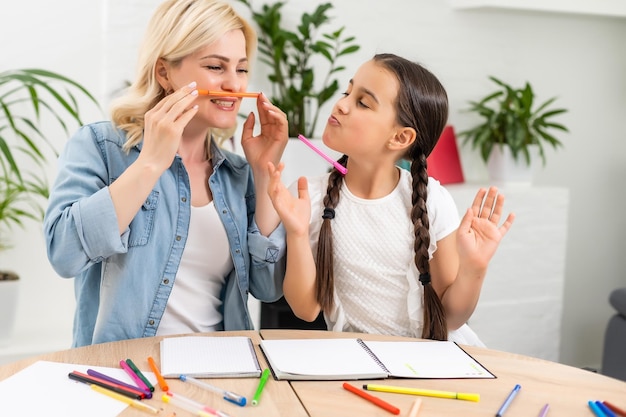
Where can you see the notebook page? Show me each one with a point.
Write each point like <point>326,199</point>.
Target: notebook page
<point>208,356</point>
<point>428,359</point>
<point>320,359</point>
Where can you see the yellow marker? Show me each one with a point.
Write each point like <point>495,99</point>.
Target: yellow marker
<point>184,405</point>
<point>424,392</point>
<point>133,403</point>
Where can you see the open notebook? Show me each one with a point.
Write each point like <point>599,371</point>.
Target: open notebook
<point>341,359</point>
<point>209,357</point>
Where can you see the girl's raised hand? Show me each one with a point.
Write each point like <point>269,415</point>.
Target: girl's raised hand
<point>480,233</point>
<point>294,212</point>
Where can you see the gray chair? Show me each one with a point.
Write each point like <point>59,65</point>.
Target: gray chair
<point>614,355</point>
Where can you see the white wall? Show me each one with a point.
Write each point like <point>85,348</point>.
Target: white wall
<point>579,58</point>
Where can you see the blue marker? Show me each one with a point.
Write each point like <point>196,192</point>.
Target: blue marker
<point>228,396</point>
<point>606,410</point>
<point>508,400</point>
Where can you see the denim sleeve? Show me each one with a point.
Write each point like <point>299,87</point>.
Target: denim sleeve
<point>268,263</point>
<point>80,224</point>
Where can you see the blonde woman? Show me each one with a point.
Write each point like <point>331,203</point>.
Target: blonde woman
<point>163,231</point>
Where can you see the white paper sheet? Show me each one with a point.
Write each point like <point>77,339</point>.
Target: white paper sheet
<point>44,389</point>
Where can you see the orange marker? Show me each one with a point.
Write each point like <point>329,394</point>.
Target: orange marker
<point>382,404</point>
<point>227,94</point>
<point>162,383</point>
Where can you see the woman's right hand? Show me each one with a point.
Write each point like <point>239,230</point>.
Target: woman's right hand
<point>294,212</point>
<point>164,125</point>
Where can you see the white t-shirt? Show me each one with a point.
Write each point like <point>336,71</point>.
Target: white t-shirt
<point>194,303</point>
<point>376,280</point>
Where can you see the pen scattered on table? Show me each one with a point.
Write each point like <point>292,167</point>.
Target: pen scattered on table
<point>257,395</point>
<point>615,409</point>
<point>415,408</point>
<point>544,410</point>
<point>140,374</point>
<point>86,379</point>
<point>424,392</point>
<point>133,403</point>
<point>228,395</point>
<point>596,410</point>
<point>97,374</point>
<point>606,410</point>
<point>168,399</point>
<point>382,404</point>
<point>508,400</point>
<point>198,406</point>
<point>162,384</point>
<point>334,163</point>
<point>227,94</point>
<point>134,376</point>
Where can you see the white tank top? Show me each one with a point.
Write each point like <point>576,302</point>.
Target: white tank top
<point>194,303</point>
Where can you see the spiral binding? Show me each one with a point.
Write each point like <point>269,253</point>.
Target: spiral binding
<point>372,355</point>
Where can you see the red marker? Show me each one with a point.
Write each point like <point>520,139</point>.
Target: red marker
<point>382,404</point>
<point>614,408</point>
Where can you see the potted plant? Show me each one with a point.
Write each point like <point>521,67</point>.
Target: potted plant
<point>513,125</point>
<point>290,56</point>
<point>27,98</point>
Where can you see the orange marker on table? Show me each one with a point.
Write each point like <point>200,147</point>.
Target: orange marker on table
<point>159,377</point>
<point>382,404</point>
<point>227,94</point>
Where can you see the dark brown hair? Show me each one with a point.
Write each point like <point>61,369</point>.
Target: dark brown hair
<point>422,104</point>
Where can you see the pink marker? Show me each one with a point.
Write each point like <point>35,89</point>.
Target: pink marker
<point>334,163</point>
<point>134,376</point>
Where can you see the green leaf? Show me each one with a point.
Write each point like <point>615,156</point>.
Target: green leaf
<point>507,117</point>
<point>288,49</point>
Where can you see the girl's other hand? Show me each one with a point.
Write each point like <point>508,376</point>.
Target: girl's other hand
<point>294,212</point>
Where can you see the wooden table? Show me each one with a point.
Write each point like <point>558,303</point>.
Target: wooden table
<point>278,398</point>
<point>567,389</point>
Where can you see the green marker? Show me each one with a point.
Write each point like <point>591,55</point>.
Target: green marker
<point>140,375</point>
<point>257,395</point>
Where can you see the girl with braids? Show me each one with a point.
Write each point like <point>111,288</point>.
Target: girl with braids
<point>382,250</point>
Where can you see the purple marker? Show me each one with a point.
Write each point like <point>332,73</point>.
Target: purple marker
<point>97,374</point>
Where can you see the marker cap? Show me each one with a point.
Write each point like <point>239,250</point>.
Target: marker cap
<point>468,397</point>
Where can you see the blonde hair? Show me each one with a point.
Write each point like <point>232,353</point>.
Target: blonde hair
<point>177,29</point>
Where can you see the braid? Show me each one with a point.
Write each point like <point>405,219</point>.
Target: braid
<point>325,278</point>
<point>434,316</point>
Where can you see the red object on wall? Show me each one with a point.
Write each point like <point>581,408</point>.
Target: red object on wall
<point>444,163</point>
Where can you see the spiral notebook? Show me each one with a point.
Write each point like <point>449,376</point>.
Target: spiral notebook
<point>209,357</point>
<point>344,359</point>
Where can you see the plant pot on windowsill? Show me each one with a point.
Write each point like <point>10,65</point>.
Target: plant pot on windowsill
<point>9,290</point>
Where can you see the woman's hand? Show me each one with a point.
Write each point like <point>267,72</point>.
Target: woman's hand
<point>269,144</point>
<point>295,213</point>
<point>479,233</point>
<point>164,125</point>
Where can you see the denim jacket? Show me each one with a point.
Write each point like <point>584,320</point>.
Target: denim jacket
<point>122,283</point>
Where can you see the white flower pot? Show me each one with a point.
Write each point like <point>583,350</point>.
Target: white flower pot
<point>302,161</point>
<point>9,291</point>
<point>502,168</point>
